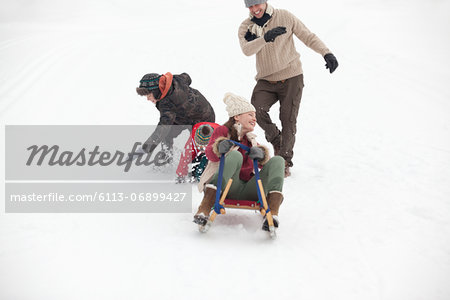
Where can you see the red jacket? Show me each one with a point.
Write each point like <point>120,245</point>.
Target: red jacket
<point>191,150</point>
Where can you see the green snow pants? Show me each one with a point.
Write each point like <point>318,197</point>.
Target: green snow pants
<point>271,175</point>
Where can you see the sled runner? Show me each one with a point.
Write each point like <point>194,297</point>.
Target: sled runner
<point>221,202</point>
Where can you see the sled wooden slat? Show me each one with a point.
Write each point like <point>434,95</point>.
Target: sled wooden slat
<point>266,206</point>
<point>222,200</point>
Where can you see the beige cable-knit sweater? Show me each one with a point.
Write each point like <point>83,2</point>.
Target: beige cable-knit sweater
<point>279,60</point>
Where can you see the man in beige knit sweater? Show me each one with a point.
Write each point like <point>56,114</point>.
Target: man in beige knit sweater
<point>268,33</point>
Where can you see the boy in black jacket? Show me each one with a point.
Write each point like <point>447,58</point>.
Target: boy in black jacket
<point>178,104</point>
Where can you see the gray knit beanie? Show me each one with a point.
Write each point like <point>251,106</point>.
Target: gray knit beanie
<point>249,3</point>
<point>148,84</point>
<point>237,105</point>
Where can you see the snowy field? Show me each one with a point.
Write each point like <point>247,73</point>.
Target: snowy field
<point>367,210</point>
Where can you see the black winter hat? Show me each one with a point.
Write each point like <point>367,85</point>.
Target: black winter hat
<point>149,84</point>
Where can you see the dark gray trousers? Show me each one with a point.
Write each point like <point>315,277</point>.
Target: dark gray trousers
<point>289,93</point>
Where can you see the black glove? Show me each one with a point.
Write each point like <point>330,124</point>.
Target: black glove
<point>148,148</point>
<point>270,35</point>
<point>332,62</point>
<point>256,153</point>
<point>225,146</point>
<point>250,36</point>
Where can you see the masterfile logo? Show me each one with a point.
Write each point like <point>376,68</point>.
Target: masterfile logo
<point>55,156</point>
<point>69,169</point>
<point>84,152</point>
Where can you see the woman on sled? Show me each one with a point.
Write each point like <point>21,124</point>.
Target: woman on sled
<point>239,163</point>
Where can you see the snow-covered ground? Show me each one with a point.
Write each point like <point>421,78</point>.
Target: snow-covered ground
<point>366,212</point>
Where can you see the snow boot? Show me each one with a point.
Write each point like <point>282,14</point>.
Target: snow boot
<point>287,170</point>
<point>274,200</point>
<point>202,215</point>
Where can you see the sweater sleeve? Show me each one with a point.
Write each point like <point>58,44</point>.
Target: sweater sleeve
<point>219,132</point>
<point>306,36</point>
<point>252,47</point>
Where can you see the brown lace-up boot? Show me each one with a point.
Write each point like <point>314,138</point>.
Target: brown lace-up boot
<point>202,215</point>
<point>274,199</point>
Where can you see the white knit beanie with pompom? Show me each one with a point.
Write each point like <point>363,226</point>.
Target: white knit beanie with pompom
<point>237,105</point>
